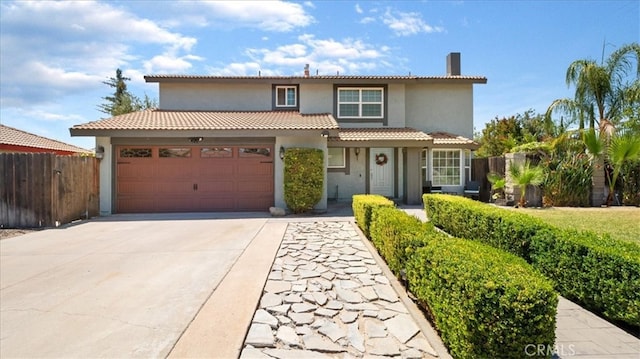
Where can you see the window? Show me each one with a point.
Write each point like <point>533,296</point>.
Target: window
<point>216,152</point>
<point>446,167</point>
<point>175,152</point>
<point>136,152</point>
<point>467,165</point>
<point>255,152</point>
<point>360,102</point>
<point>336,157</point>
<point>286,96</point>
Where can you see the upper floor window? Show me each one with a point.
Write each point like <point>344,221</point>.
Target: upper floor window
<point>286,96</point>
<point>365,102</point>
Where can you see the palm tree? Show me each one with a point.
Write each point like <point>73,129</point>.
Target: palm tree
<point>524,176</point>
<point>622,149</point>
<point>619,150</point>
<point>602,90</point>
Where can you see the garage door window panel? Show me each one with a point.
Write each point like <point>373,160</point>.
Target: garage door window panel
<point>255,152</point>
<point>136,152</point>
<point>175,152</point>
<point>216,152</point>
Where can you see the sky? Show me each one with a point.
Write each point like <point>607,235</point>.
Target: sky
<point>54,56</point>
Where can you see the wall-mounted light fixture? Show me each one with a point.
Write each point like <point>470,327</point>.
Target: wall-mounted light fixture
<point>100,152</point>
<point>325,134</point>
<point>357,151</point>
<point>195,139</point>
<point>281,153</point>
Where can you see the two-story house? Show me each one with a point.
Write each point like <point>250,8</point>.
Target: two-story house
<point>216,142</point>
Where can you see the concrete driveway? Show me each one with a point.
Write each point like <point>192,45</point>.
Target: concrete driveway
<point>122,286</point>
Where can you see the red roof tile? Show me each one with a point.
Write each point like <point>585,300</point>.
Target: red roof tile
<point>160,78</point>
<point>15,137</point>
<point>445,138</point>
<point>380,133</point>
<point>213,120</point>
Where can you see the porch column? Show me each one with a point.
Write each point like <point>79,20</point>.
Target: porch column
<point>414,181</point>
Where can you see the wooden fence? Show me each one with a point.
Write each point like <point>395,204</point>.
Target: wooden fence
<point>480,167</point>
<point>46,190</point>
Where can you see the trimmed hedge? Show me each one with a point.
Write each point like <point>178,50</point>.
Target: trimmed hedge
<point>597,271</point>
<point>363,205</point>
<point>303,178</point>
<point>486,303</point>
<point>500,228</point>
<point>396,234</point>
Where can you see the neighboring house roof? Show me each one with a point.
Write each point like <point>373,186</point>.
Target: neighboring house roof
<point>16,138</point>
<point>210,120</point>
<point>445,139</point>
<point>320,78</point>
<point>380,134</point>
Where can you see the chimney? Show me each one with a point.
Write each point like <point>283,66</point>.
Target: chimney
<point>453,64</point>
<point>306,70</point>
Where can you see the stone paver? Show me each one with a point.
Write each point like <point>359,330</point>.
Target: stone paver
<point>327,298</point>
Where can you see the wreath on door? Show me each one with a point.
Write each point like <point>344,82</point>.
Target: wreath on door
<point>381,159</point>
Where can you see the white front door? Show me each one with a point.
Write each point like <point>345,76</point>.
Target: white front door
<point>381,171</point>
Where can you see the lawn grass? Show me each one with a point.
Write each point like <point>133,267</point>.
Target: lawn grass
<point>619,222</point>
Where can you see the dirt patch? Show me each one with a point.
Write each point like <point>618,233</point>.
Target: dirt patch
<point>8,233</point>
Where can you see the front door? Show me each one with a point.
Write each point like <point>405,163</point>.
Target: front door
<point>381,171</point>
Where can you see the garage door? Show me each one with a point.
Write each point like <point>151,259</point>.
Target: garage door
<point>194,178</point>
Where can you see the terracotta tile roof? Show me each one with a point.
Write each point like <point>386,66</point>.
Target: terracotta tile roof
<point>213,120</point>
<point>382,133</point>
<point>15,137</point>
<point>445,138</point>
<point>160,78</point>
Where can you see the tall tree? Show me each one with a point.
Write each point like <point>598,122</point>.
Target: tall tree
<point>602,90</point>
<point>122,101</point>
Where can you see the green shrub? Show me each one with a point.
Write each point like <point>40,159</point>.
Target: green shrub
<point>465,218</point>
<point>486,303</point>
<point>396,235</point>
<point>600,273</point>
<point>363,205</point>
<point>303,178</point>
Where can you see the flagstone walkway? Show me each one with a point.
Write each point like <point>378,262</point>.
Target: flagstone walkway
<point>326,297</point>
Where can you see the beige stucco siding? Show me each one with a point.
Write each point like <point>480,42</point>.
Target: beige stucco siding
<point>440,107</point>
<point>215,97</point>
<point>316,98</point>
<point>396,105</point>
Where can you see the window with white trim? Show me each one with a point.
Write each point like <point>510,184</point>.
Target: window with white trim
<point>446,167</point>
<point>467,165</point>
<point>336,157</point>
<point>367,102</point>
<point>286,96</point>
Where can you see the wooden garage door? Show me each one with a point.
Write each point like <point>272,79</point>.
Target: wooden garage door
<point>194,178</point>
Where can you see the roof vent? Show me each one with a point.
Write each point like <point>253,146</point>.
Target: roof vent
<point>453,64</point>
<point>306,70</point>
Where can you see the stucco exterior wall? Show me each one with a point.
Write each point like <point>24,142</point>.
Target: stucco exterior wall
<point>106,176</point>
<point>396,105</point>
<point>342,186</point>
<point>440,107</point>
<point>304,142</point>
<point>215,97</point>
<point>316,98</point>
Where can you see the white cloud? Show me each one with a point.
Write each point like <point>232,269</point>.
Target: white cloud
<point>367,20</point>
<point>278,16</point>
<point>359,9</point>
<point>327,56</point>
<point>407,23</point>
<point>50,50</point>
